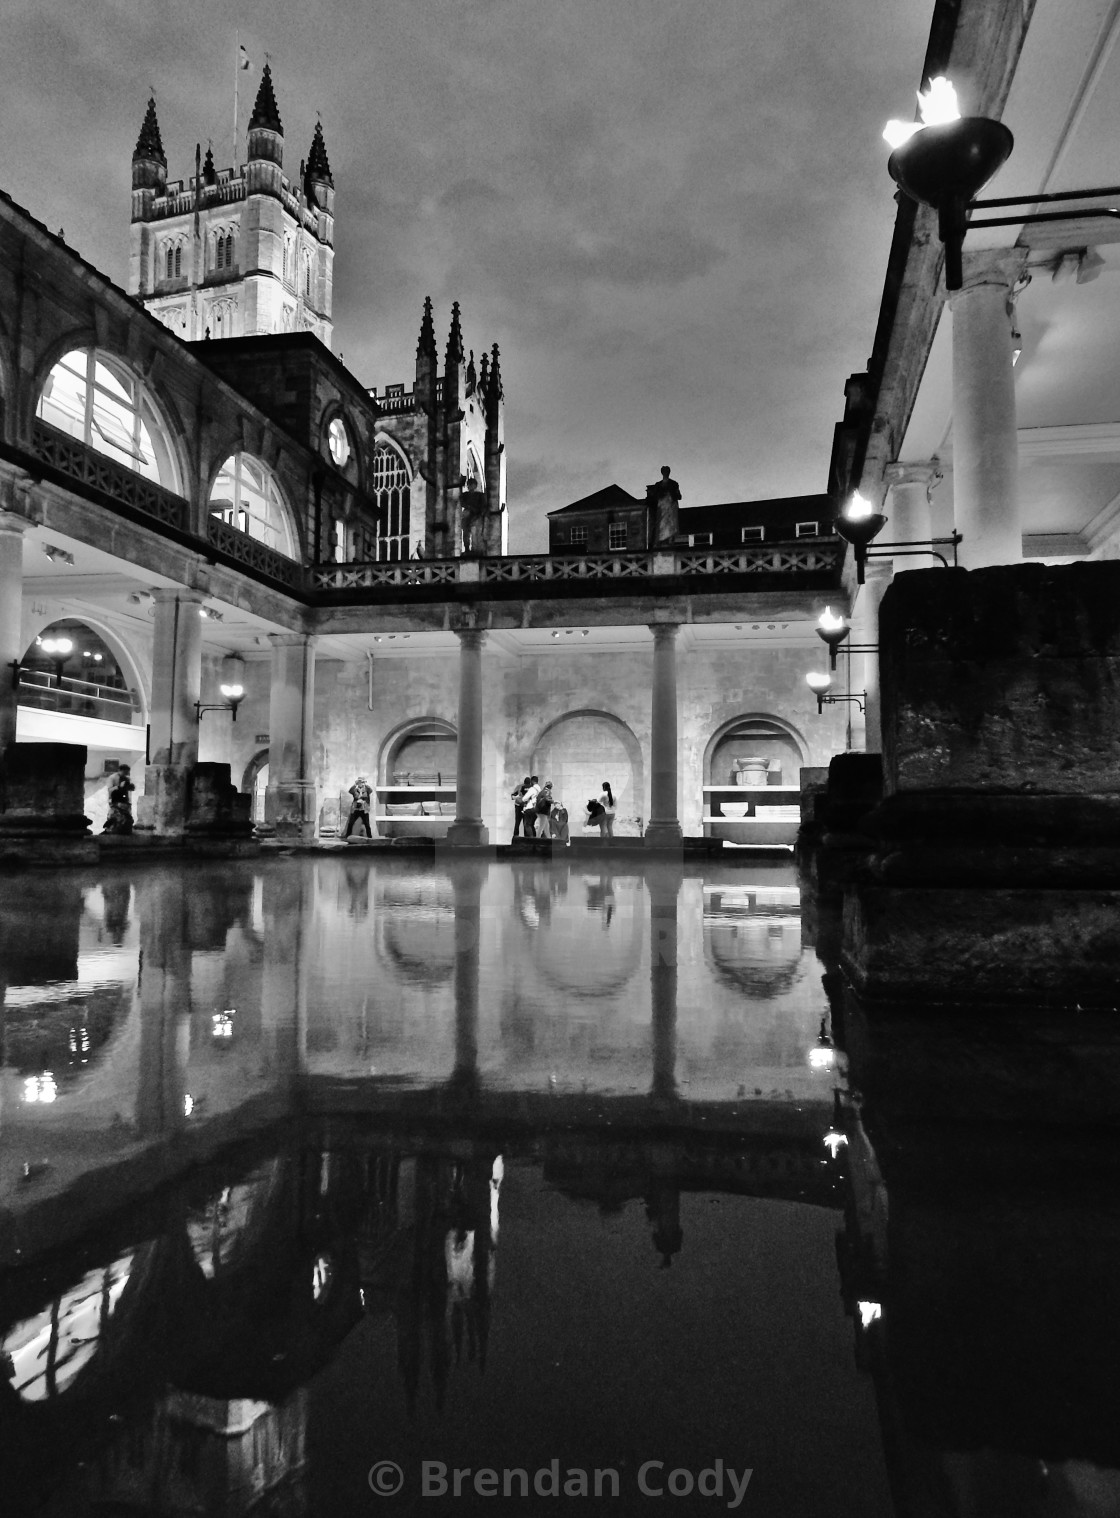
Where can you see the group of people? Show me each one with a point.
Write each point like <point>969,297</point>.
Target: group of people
<point>537,812</point>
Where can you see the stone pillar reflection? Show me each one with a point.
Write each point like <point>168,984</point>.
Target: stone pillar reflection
<point>985,445</point>
<point>176,687</point>
<point>165,1006</point>
<point>11,620</point>
<point>468,826</point>
<point>467,879</point>
<point>663,829</point>
<point>663,882</point>
<point>290,800</point>
<point>283,978</point>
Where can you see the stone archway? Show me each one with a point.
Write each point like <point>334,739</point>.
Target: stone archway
<point>579,751</point>
<point>755,733</point>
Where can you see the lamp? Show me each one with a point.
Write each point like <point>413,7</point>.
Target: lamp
<point>232,688</point>
<point>946,158</point>
<point>819,683</point>
<point>858,524</point>
<point>833,630</point>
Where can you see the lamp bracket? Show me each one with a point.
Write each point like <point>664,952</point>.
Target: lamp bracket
<point>214,706</point>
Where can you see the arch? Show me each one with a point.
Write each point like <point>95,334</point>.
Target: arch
<point>390,485</point>
<point>254,782</point>
<point>245,494</point>
<point>97,397</point>
<point>437,729</point>
<point>582,748</point>
<point>134,673</point>
<point>775,739</point>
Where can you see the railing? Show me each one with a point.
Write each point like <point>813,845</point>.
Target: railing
<point>395,405</point>
<point>66,693</point>
<point>819,556</point>
<point>253,554</point>
<point>74,458</point>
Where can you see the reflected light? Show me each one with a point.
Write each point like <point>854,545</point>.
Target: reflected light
<point>869,1312</point>
<point>221,1024</point>
<point>834,1141</point>
<point>188,1104</point>
<point>40,1088</point>
<point>822,1058</point>
<point>322,1274</point>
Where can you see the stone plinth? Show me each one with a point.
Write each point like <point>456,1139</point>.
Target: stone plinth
<point>217,808</point>
<point>1002,680</point>
<point>163,807</point>
<point>42,798</point>
<point>291,809</point>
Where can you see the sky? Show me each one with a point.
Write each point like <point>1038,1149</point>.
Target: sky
<point>673,218</point>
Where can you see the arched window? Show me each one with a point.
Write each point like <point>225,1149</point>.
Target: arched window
<point>178,260</point>
<point>92,396</point>
<point>246,496</point>
<point>170,261</point>
<point>287,260</point>
<point>307,277</point>
<point>391,491</point>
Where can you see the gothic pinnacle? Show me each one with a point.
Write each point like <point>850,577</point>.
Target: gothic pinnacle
<point>149,144</point>
<point>266,113</point>
<point>455,338</point>
<point>318,165</point>
<point>496,375</point>
<point>427,343</point>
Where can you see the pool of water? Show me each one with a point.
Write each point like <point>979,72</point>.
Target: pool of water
<point>317,1170</point>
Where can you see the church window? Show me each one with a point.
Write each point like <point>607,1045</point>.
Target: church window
<point>307,278</point>
<point>178,259</point>
<point>616,535</point>
<point>246,496</point>
<point>92,396</point>
<point>170,261</point>
<point>392,493</point>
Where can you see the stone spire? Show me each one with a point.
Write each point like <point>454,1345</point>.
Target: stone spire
<point>209,173</point>
<point>427,342</point>
<point>318,165</point>
<point>455,338</point>
<point>484,375</point>
<point>495,389</point>
<point>149,144</point>
<point>266,113</point>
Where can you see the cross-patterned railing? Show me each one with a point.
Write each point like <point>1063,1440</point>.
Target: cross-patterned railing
<point>254,554</point>
<point>72,457</point>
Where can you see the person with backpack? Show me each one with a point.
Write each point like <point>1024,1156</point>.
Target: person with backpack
<point>517,796</point>
<point>529,807</point>
<point>606,801</point>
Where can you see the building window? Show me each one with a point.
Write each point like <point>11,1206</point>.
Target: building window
<point>170,262</point>
<point>178,260</point>
<point>246,496</point>
<point>699,540</point>
<point>807,530</point>
<point>94,398</point>
<point>391,490</point>
<point>307,279</point>
<point>753,534</point>
<point>579,536</point>
<point>616,535</point>
<point>338,442</point>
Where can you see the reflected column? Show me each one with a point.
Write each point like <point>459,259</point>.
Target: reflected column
<point>283,986</point>
<point>663,829</point>
<point>176,687</point>
<point>165,1006</point>
<point>11,619</point>
<point>663,882</point>
<point>468,827</point>
<point>290,800</point>
<point>467,879</point>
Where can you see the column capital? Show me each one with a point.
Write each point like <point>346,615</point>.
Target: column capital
<point>162,595</point>
<point>293,640</point>
<point>927,472</point>
<point>471,637</point>
<point>664,632</point>
<point>997,268</point>
<point>11,521</point>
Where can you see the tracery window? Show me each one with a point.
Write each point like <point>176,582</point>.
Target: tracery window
<point>170,261</point>
<point>246,496</point>
<point>178,259</point>
<point>95,398</point>
<point>391,489</point>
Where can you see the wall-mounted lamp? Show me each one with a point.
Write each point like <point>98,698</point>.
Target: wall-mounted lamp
<point>232,688</point>
<point>858,524</point>
<point>946,158</point>
<point>834,631</point>
<point>820,683</point>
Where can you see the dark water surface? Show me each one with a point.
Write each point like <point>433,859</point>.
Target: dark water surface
<point>543,1175</point>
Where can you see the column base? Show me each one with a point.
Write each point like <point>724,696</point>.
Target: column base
<point>291,808</point>
<point>162,809</point>
<point>471,833</point>
<point>663,835</point>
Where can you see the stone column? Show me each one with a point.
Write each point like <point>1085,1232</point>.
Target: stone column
<point>865,666</point>
<point>290,799</point>
<point>176,687</point>
<point>663,829</point>
<point>985,446</point>
<point>908,513</point>
<point>468,829</point>
<point>11,619</point>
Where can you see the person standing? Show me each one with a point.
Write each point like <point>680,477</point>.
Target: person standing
<point>544,809</point>
<point>606,821</point>
<point>558,825</point>
<point>359,806</point>
<point>120,818</point>
<point>517,796</point>
<point>529,807</point>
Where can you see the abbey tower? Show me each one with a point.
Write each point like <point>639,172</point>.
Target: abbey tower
<point>237,252</point>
